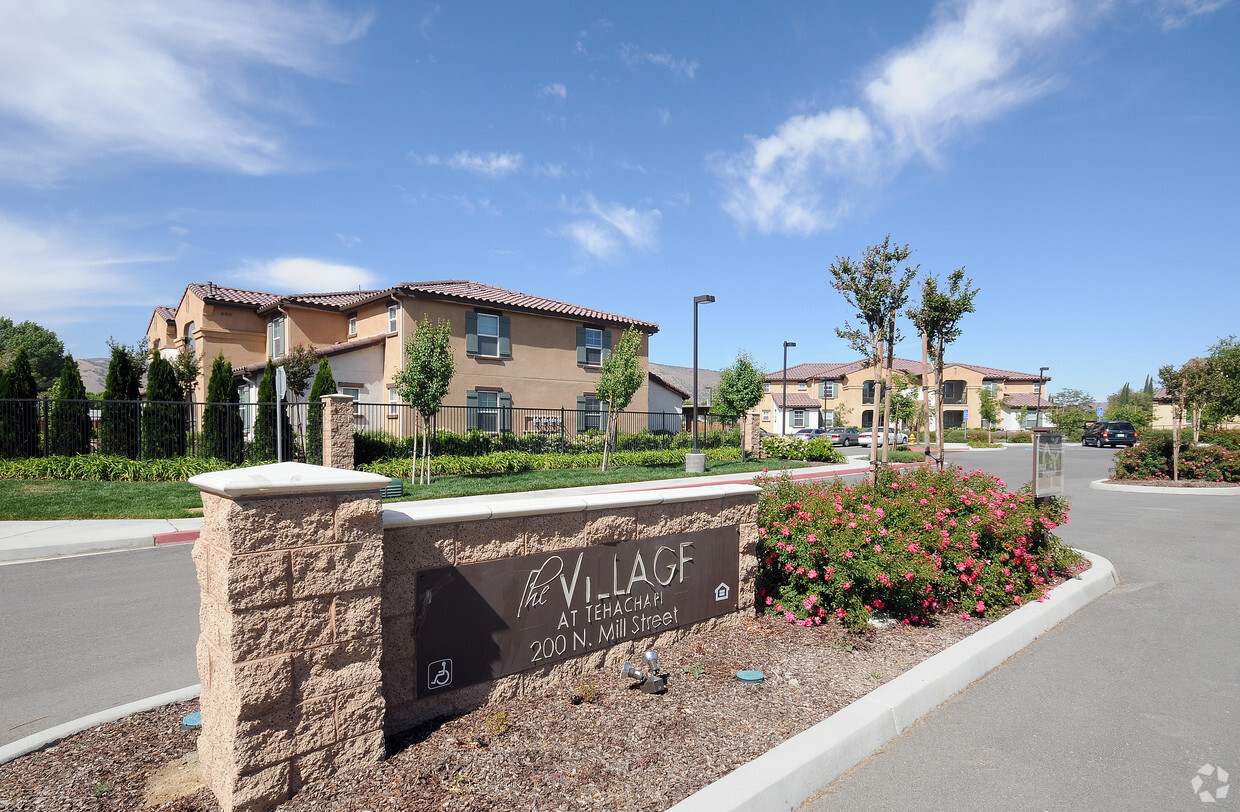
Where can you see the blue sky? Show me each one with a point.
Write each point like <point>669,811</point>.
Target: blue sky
<point>1078,159</point>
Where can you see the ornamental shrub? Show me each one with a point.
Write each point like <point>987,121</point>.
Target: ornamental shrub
<point>791,447</point>
<point>163,416</point>
<point>502,462</point>
<point>1151,459</point>
<point>19,417</point>
<point>265,422</point>
<point>69,429</point>
<point>222,427</point>
<point>105,468</point>
<point>119,414</point>
<point>324,384</point>
<point>918,543</point>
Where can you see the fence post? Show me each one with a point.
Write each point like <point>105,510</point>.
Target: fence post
<point>47,426</point>
<point>562,429</point>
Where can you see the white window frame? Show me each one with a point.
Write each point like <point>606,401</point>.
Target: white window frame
<point>392,311</point>
<point>798,418</point>
<point>354,392</point>
<point>594,347</point>
<point>393,403</point>
<point>766,386</point>
<point>828,419</point>
<point>352,325</point>
<point>488,411</point>
<point>488,342</point>
<point>991,386</point>
<point>830,390</point>
<point>278,334</point>
<point>189,342</point>
<point>766,415</point>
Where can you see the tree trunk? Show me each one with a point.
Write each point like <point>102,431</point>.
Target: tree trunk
<point>938,398</point>
<point>878,385</point>
<point>887,439</point>
<point>1196,423</point>
<point>925,392</point>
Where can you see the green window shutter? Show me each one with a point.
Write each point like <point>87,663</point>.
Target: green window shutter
<point>581,352</point>
<point>606,346</point>
<point>471,333</point>
<point>582,403</point>
<point>505,412</point>
<point>505,337</point>
<point>822,389</point>
<point>471,413</point>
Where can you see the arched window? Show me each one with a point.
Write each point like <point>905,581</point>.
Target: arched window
<point>189,342</point>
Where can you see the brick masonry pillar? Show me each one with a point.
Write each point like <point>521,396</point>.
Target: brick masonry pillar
<point>338,431</point>
<point>290,565</point>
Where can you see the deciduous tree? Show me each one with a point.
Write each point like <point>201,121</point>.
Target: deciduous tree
<point>877,292</point>
<point>45,352</point>
<point>740,389</point>
<point>619,379</point>
<point>937,317</point>
<point>425,379</point>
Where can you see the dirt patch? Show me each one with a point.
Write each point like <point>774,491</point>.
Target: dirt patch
<point>42,487</point>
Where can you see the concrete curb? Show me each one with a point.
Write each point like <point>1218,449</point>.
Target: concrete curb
<point>37,741</point>
<point>1103,485</point>
<point>798,769</point>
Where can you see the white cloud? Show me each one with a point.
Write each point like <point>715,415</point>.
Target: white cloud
<point>304,275</point>
<point>349,240</point>
<point>608,228</point>
<point>47,271</point>
<point>555,90</point>
<point>173,81</point>
<point>549,170</point>
<point>490,164</point>
<point>1177,13</point>
<point>635,57</point>
<point>971,65</point>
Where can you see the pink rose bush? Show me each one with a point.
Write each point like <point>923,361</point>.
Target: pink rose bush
<point>919,543</point>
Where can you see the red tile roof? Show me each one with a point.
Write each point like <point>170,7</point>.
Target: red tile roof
<point>1026,399</point>
<point>166,313</point>
<point>323,352</point>
<point>796,400</point>
<point>211,292</point>
<point>827,372</point>
<point>466,291</point>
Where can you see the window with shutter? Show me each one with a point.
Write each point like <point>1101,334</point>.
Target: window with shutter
<point>593,346</point>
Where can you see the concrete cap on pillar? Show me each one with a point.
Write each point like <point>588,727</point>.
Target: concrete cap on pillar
<point>286,478</point>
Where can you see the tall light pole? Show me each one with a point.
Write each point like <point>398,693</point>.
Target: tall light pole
<point>1041,390</point>
<point>783,407</point>
<point>696,462</point>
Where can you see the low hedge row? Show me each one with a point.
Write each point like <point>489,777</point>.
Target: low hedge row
<point>108,468</point>
<point>791,447</point>
<point>372,445</point>
<point>510,462</point>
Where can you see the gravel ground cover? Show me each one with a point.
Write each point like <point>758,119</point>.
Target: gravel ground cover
<point>601,745</point>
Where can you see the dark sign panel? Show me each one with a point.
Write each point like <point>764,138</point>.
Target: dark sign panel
<point>481,621</point>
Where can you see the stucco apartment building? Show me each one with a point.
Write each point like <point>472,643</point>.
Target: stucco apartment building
<point>821,395</point>
<point>512,349</point>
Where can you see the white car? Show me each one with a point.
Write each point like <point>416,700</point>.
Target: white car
<point>893,436</point>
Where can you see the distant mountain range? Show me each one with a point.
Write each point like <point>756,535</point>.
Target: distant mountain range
<point>94,373</point>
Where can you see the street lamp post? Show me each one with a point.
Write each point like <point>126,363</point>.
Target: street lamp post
<point>695,462</point>
<point>1041,395</point>
<point>783,407</point>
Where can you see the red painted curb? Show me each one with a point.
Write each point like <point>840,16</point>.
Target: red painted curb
<point>176,537</point>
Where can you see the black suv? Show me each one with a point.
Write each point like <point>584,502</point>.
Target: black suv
<point>1109,433</point>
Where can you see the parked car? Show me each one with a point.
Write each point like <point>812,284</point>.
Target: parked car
<point>891,435</point>
<point>806,434</point>
<point>845,436</point>
<point>1101,433</point>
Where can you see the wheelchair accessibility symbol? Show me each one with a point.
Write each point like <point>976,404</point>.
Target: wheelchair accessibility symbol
<point>439,674</point>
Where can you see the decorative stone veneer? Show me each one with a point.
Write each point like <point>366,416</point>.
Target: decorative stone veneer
<point>307,654</point>
<point>290,564</point>
<point>338,431</point>
<point>752,435</point>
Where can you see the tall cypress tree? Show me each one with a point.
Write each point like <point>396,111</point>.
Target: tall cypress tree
<point>324,384</point>
<point>118,428</point>
<point>265,425</point>
<point>163,418</point>
<point>19,428</point>
<point>69,429</point>
<point>222,428</point>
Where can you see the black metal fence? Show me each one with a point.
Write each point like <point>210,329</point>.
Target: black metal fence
<point>241,432</point>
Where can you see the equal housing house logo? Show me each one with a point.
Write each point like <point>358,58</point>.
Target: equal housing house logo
<point>1210,783</point>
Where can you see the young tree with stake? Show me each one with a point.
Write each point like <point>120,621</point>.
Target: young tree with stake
<point>619,380</point>
<point>425,379</point>
<point>937,317</point>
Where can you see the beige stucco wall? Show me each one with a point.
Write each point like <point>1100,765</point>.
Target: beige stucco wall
<point>850,397</point>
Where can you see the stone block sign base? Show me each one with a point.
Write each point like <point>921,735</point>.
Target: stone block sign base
<point>290,565</point>
<point>338,431</point>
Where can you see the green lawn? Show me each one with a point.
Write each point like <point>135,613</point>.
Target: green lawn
<point>28,500</point>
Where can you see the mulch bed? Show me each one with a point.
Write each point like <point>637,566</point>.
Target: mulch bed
<point>601,746</point>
